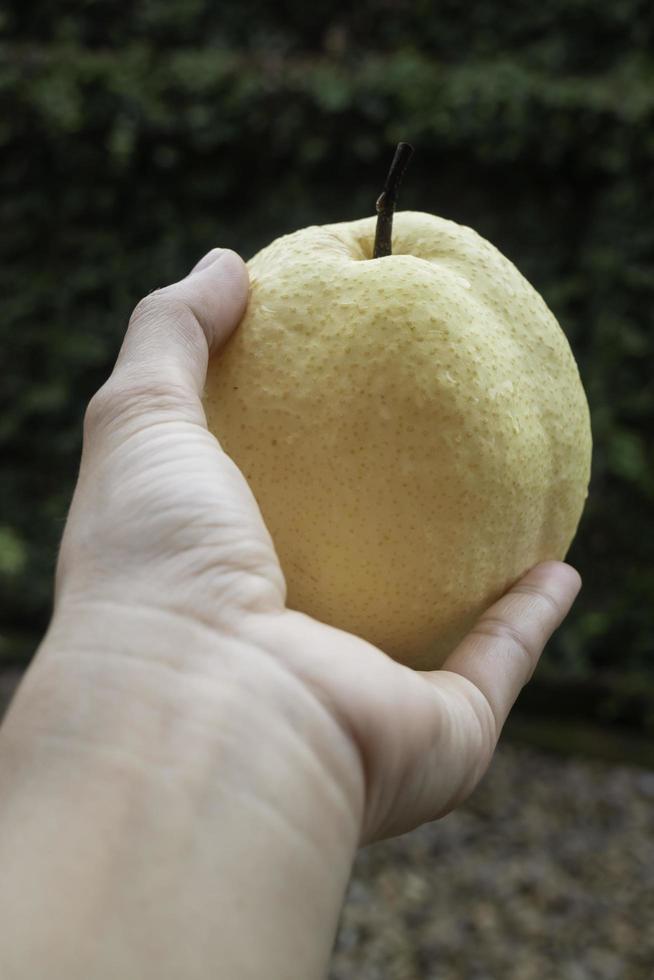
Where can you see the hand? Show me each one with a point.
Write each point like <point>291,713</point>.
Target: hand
<point>203,714</point>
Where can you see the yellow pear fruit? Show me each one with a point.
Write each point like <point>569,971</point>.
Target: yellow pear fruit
<point>413,427</point>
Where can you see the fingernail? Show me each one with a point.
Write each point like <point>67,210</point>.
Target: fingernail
<point>208,260</point>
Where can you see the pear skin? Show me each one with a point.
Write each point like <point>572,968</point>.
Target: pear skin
<point>413,427</point>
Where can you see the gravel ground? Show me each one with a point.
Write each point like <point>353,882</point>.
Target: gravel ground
<point>547,873</point>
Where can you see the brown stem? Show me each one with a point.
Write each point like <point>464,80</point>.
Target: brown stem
<point>387,200</point>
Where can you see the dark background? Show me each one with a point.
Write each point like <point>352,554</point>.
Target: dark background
<point>136,136</point>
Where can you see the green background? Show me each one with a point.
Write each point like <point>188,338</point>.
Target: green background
<point>134,137</point>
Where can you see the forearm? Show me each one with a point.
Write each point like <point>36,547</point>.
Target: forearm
<point>161,818</point>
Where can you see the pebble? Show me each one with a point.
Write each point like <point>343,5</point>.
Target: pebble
<point>547,873</point>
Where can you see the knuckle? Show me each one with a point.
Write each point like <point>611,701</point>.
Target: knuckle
<point>499,629</point>
<point>479,739</point>
<point>487,728</point>
<point>162,304</point>
<point>119,400</point>
<point>543,598</point>
<point>99,407</point>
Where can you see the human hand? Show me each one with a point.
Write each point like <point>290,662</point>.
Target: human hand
<point>164,520</point>
<point>170,643</point>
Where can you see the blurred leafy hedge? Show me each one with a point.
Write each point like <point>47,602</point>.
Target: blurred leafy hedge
<point>134,137</point>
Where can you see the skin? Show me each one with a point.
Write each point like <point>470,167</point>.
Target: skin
<point>189,767</point>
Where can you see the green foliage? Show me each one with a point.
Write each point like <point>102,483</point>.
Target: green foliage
<point>136,136</point>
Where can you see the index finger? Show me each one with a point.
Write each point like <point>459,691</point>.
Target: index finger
<point>500,653</point>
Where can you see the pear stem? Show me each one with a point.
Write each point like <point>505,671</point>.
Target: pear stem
<point>388,199</point>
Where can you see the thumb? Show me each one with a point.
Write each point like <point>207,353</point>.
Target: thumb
<point>501,652</point>
<point>175,328</point>
<point>162,363</point>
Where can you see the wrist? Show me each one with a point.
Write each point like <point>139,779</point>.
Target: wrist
<point>213,764</point>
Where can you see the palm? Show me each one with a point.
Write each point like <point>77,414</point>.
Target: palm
<point>164,497</point>
<point>424,738</point>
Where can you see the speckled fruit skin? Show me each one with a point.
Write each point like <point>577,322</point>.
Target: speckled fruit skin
<point>414,427</point>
